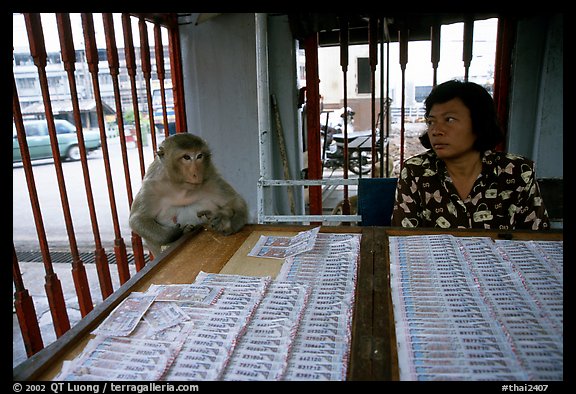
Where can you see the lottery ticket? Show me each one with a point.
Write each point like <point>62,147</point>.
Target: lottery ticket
<point>162,315</point>
<point>299,375</point>
<point>126,316</point>
<point>106,358</point>
<point>280,247</point>
<point>188,293</point>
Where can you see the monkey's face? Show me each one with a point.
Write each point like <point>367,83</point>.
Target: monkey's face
<point>186,158</point>
<point>188,166</point>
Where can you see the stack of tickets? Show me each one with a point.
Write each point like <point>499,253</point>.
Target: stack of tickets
<point>469,308</point>
<point>233,327</point>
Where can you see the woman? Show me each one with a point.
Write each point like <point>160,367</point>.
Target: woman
<point>461,182</point>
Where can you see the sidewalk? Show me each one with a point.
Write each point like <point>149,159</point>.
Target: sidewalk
<point>33,277</point>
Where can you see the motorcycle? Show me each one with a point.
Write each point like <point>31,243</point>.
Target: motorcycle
<point>359,154</point>
<point>360,157</point>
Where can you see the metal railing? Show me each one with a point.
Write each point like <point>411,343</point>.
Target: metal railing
<point>70,46</point>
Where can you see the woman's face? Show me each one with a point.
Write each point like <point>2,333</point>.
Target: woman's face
<point>450,129</point>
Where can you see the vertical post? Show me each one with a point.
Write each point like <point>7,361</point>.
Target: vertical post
<point>383,99</point>
<point>130,57</point>
<point>159,52</point>
<point>403,40</point>
<point>147,70</point>
<point>504,45</point>
<point>467,45</point>
<point>435,50</point>
<point>53,287</point>
<point>386,34</point>
<point>177,77</point>
<point>25,311</point>
<point>373,54</point>
<point>313,122</point>
<point>69,60</point>
<point>113,63</point>
<point>92,60</point>
<point>344,65</point>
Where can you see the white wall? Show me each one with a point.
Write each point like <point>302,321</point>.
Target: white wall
<point>535,126</point>
<point>232,63</point>
<point>220,85</point>
<point>282,68</point>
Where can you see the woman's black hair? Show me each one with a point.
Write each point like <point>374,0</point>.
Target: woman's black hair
<point>482,112</point>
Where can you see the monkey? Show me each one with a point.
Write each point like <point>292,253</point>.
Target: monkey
<point>182,189</point>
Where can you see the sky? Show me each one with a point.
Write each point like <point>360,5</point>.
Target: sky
<point>20,36</point>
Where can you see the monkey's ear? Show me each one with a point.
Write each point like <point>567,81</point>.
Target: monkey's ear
<point>160,151</point>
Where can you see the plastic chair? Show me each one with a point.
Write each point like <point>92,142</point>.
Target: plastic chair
<point>376,200</point>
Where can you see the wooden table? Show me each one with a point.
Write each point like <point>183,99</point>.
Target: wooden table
<point>373,346</point>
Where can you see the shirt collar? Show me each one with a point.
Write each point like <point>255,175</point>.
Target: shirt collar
<point>489,163</point>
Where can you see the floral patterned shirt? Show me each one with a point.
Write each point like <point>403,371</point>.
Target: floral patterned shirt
<point>505,195</point>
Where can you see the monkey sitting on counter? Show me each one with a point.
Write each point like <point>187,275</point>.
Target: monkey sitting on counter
<point>181,189</point>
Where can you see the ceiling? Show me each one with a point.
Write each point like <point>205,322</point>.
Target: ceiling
<point>328,25</point>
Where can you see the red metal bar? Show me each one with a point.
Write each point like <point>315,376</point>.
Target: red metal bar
<point>159,50</point>
<point>131,67</point>
<point>113,63</point>
<point>147,71</point>
<point>373,55</point>
<point>344,65</point>
<point>55,299</point>
<point>502,69</point>
<point>53,287</point>
<point>177,77</point>
<point>25,311</point>
<point>92,60</point>
<point>403,40</point>
<point>388,102</point>
<point>435,43</point>
<point>69,59</point>
<point>467,45</point>
<point>313,122</point>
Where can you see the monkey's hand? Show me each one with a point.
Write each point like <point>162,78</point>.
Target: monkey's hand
<point>219,221</point>
<point>173,233</point>
<point>188,227</point>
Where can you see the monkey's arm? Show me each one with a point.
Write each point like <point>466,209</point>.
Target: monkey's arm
<point>143,221</point>
<point>231,215</point>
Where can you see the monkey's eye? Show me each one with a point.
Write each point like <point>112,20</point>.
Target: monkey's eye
<point>200,156</point>
<point>187,157</point>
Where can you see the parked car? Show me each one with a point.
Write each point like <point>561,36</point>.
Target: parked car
<point>38,140</point>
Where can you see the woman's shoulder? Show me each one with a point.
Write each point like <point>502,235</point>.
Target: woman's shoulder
<point>509,164</point>
<point>421,158</point>
<point>422,164</point>
<point>504,159</point>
